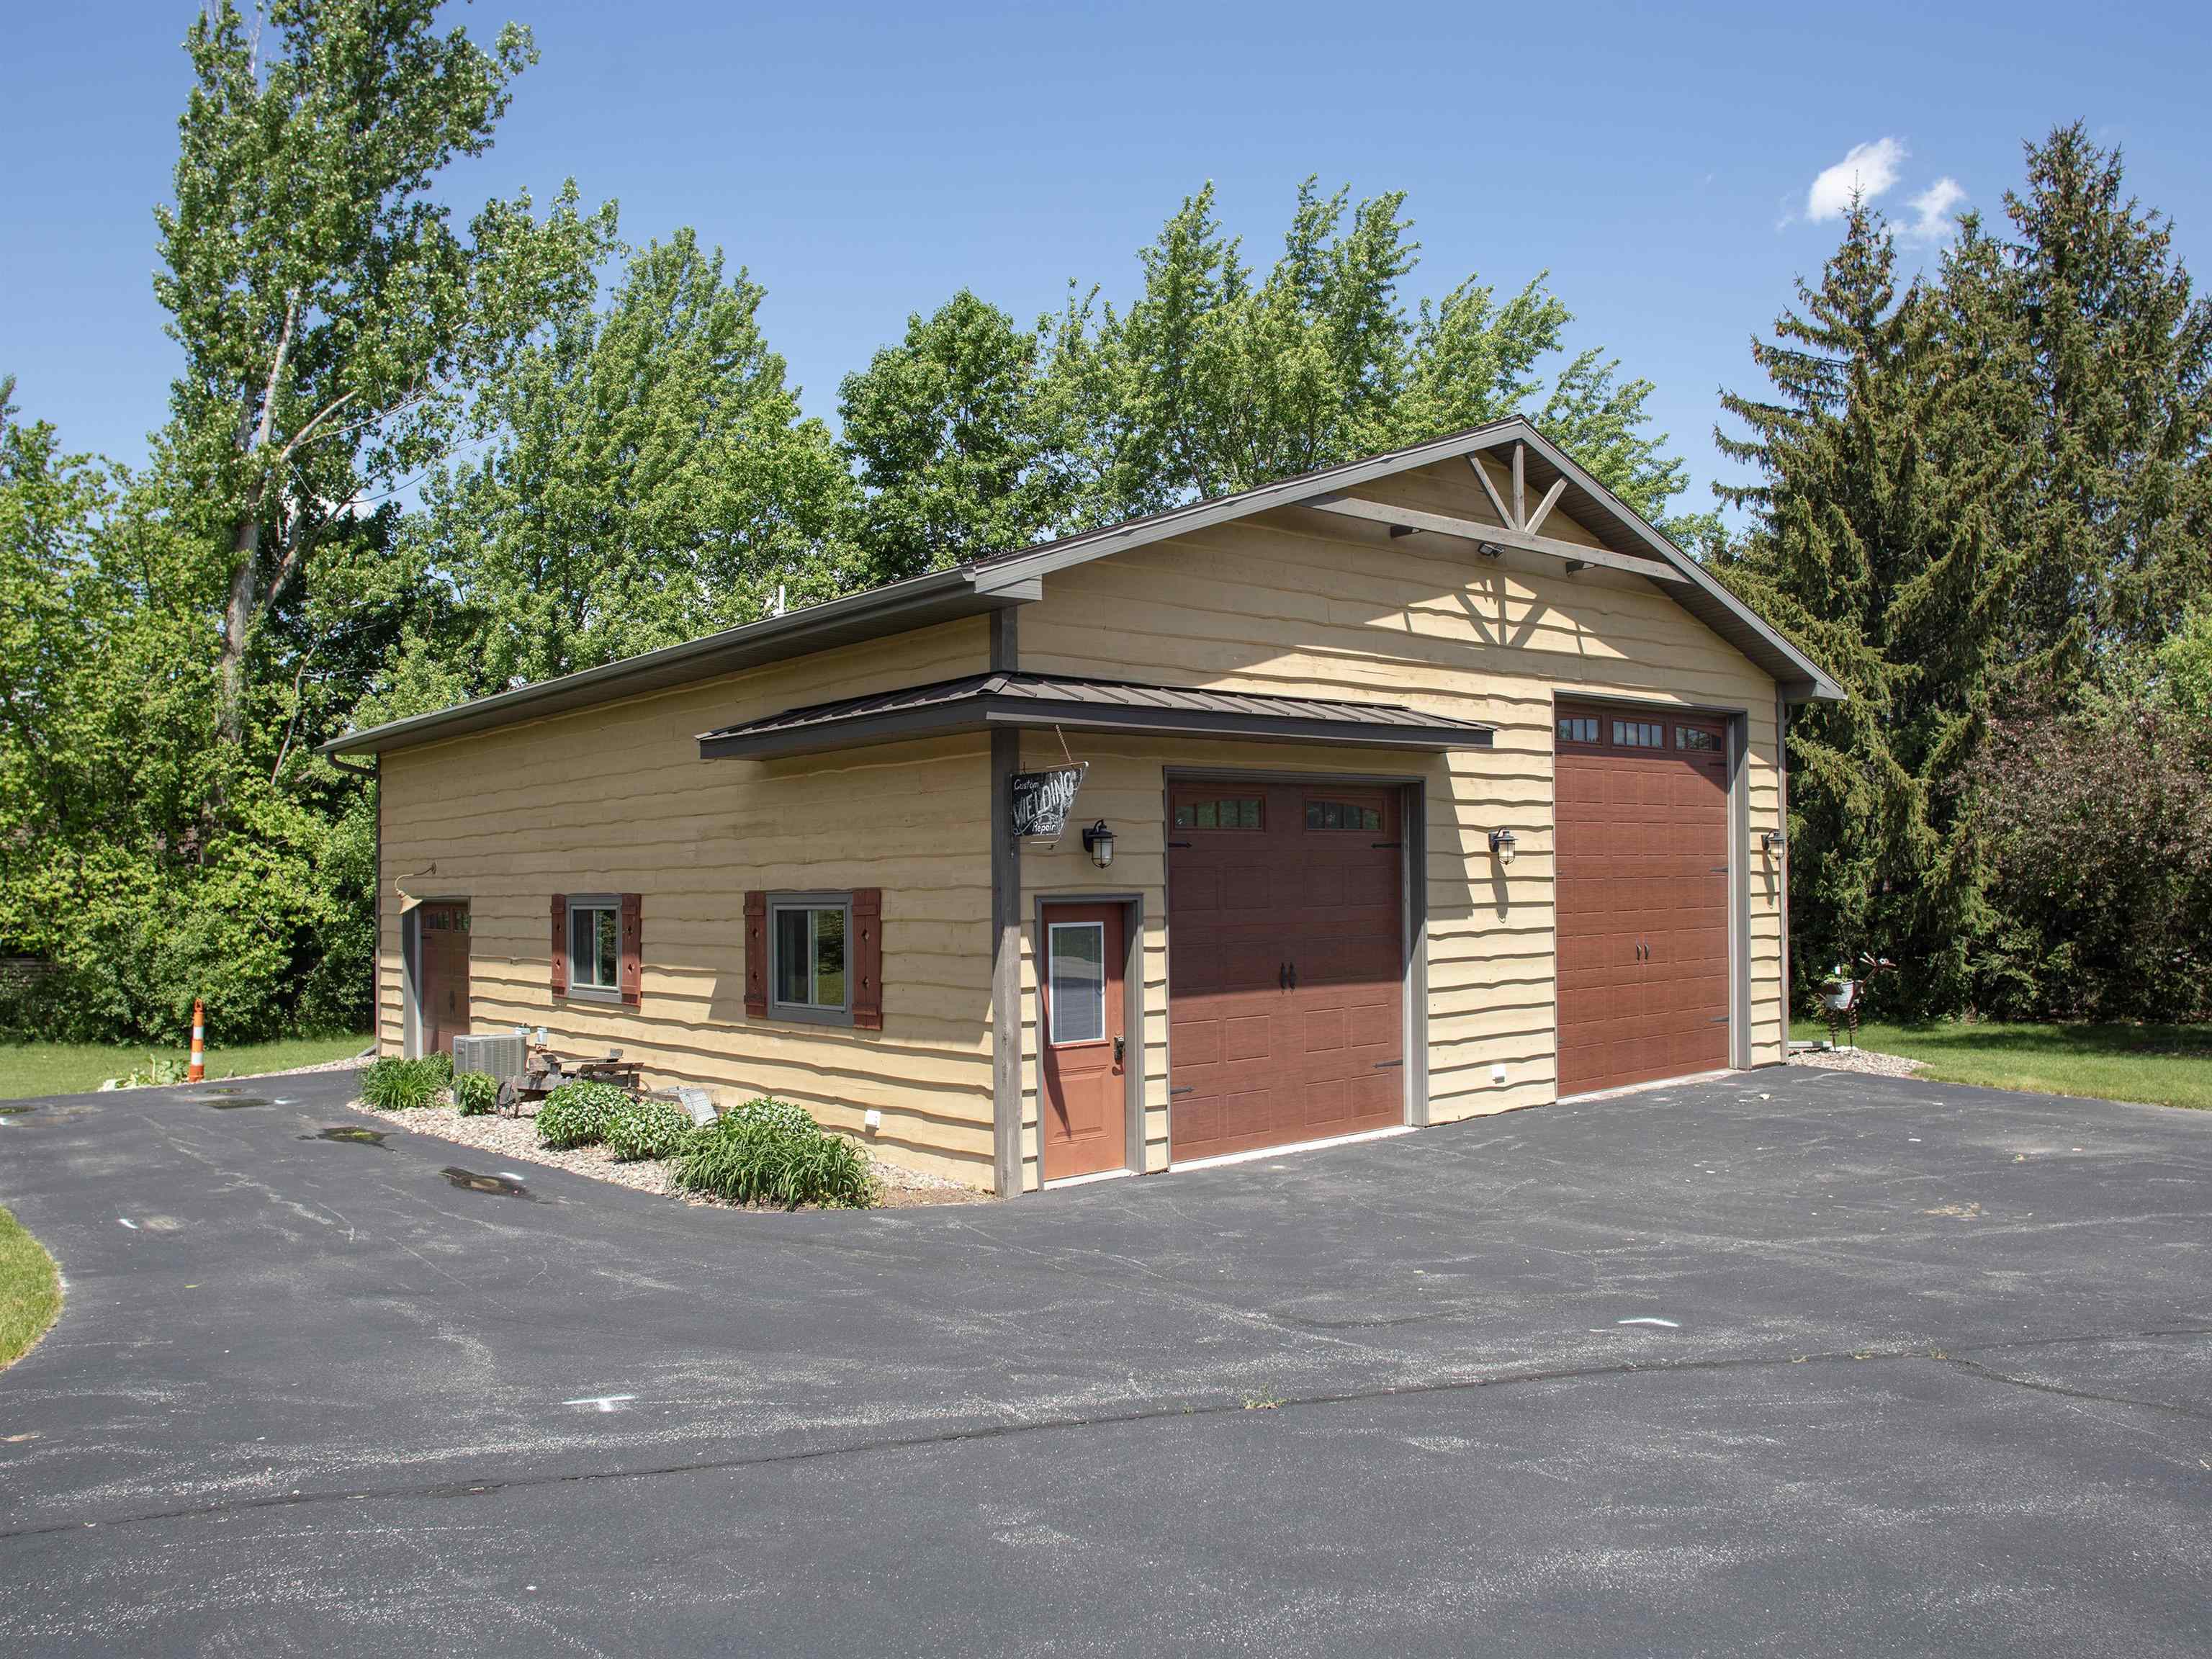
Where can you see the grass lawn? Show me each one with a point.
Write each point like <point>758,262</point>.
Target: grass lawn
<point>30,1289</point>
<point>2165,1065</point>
<point>68,1068</point>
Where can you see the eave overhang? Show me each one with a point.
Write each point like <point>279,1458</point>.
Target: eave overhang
<point>986,702</point>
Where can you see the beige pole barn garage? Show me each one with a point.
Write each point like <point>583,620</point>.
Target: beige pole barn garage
<point>1427,786</point>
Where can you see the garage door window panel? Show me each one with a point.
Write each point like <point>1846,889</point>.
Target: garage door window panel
<point>1221,812</point>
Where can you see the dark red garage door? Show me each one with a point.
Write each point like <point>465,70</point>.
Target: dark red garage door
<point>1642,822</point>
<point>1286,964</point>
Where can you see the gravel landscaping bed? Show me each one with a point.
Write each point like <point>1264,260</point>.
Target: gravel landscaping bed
<point>515,1138</point>
<point>1864,1061</point>
<point>346,1064</point>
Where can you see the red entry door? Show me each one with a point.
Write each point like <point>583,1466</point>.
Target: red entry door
<point>443,932</point>
<point>1084,1043</point>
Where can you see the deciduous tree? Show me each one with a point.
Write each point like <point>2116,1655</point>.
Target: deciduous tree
<point>331,317</point>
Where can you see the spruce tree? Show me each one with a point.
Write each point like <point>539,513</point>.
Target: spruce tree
<point>1873,544</point>
<point>2120,357</point>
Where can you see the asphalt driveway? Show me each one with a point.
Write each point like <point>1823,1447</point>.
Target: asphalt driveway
<point>1801,1362</point>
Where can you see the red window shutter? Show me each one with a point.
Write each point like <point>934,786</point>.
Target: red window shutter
<point>560,944</point>
<point>757,954</point>
<point>868,958</point>
<point>632,980</point>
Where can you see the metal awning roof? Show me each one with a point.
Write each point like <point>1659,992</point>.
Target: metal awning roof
<point>983,702</point>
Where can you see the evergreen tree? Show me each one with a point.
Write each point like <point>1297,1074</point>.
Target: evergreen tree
<point>2119,356</point>
<point>1875,542</point>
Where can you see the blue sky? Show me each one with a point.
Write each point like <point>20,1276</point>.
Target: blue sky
<point>866,160</point>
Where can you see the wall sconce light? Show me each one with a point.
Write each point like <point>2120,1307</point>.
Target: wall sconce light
<point>1502,843</point>
<point>1774,841</point>
<point>1098,841</point>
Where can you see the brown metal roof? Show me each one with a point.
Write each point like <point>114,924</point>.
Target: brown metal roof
<point>1012,578</point>
<point>980,702</point>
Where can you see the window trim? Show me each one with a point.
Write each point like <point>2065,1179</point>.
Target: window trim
<point>572,991</point>
<point>808,1013</point>
<point>1053,1038</point>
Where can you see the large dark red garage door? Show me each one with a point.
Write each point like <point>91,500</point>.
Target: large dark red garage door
<point>1641,822</point>
<point>1286,964</point>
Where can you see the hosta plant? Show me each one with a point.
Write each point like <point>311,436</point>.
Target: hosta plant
<point>647,1128</point>
<point>578,1113</point>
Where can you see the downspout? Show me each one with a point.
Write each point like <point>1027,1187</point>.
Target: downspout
<point>1782,800</point>
<point>376,924</point>
<point>1006,931</point>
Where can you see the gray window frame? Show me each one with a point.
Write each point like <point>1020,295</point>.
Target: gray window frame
<point>808,1013</point>
<point>582,993</point>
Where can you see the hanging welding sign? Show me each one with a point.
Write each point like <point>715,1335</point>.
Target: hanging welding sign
<point>1042,800</point>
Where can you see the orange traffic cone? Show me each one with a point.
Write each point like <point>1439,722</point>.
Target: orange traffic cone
<point>197,1071</point>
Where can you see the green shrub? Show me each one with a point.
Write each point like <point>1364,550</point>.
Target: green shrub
<point>768,1110</point>
<point>391,1084</point>
<point>759,1159</point>
<point>475,1093</point>
<point>648,1128</point>
<point>578,1113</point>
<point>439,1066</point>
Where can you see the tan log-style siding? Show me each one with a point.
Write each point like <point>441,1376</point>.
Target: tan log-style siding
<point>1293,602</point>
<point>616,800</point>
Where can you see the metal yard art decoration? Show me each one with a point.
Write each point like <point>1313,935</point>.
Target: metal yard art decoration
<point>1841,994</point>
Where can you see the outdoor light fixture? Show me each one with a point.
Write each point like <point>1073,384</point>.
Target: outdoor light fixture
<point>1501,845</point>
<point>1490,549</point>
<point>1775,840</point>
<point>1098,841</point>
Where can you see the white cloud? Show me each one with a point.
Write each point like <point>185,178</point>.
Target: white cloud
<point>1932,209</point>
<point>1869,170</point>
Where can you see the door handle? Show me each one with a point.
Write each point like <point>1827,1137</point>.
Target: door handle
<point>1294,976</point>
<point>1121,1048</point>
<point>1282,976</point>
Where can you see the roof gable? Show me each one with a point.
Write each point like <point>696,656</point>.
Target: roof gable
<point>1539,501</point>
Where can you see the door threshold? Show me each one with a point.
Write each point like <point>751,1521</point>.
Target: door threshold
<point>1182,1164</point>
<point>1641,1088</point>
<point>1058,1181</point>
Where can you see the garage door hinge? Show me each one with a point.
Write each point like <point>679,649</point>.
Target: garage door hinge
<point>1386,843</point>
<point>1718,1019</point>
<point>1178,843</point>
<point>1188,1088</point>
<point>1385,1065</point>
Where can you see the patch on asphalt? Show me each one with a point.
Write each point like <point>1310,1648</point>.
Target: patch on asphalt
<point>351,1134</point>
<point>469,1181</point>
